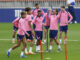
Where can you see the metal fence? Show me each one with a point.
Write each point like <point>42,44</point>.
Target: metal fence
<point>31,3</point>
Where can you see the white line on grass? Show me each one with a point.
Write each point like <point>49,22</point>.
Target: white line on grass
<point>67,40</point>
<point>5,39</point>
<point>47,58</point>
<point>73,40</point>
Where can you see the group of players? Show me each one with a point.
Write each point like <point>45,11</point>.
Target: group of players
<point>23,26</point>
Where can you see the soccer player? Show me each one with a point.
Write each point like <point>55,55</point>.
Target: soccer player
<point>38,20</point>
<point>47,23</point>
<point>15,28</point>
<point>65,18</point>
<point>20,36</point>
<point>29,30</point>
<point>34,13</point>
<point>54,29</point>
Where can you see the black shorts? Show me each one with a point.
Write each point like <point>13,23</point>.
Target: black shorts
<point>39,34</point>
<point>15,28</point>
<point>30,37</point>
<point>20,37</point>
<point>53,34</point>
<point>64,28</point>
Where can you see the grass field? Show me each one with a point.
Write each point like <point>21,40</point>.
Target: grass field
<point>73,45</point>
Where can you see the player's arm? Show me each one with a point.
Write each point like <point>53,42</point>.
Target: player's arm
<point>70,17</point>
<point>15,20</point>
<point>59,15</point>
<point>33,21</point>
<point>47,16</point>
<point>44,16</point>
<point>49,19</point>
<point>32,12</point>
<point>44,24</point>
<point>30,26</point>
<point>42,12</point>
<point>29,23</point>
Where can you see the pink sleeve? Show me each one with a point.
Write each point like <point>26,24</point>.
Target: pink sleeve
<point>33,21</point>
<point>47,18</point>
<point>15,20</point>
<point>45,21</point>
<point>59,14</point>
<point>42,12</point>
<point>70,17</point>
<point>44,16</point>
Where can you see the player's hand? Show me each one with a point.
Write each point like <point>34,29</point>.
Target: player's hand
<point>44,24</point>
<point>33,36</point>
<point>28,35</point>
<point>38,38</point>
<point>66,23</point>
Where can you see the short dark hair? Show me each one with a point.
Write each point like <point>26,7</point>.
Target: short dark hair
<point>27,9</point>
<point>23,13</point>
<point>39,10</point>
<point>63,7</point>
<point>36,4</point>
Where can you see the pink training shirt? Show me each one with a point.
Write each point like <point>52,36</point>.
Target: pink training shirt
<point>64,18</point>
<point>39,22</point>
<point>28,19</point>
<point>54,22</point>
<point>35,12</point>
<point>15,22</point>
<point>21,27</point>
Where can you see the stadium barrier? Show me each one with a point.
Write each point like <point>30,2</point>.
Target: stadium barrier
<point>7,15</point>
<point>31,3</point>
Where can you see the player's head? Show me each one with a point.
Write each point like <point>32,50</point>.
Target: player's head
<point>49,10</point>
<point>23,14</point>
<point>39,13</point>
<point>28,10</point>
<point>55,11</point>
<point>37,6</point>
<point>62,8</point>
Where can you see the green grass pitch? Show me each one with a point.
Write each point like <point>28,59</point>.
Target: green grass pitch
<point>73,45</point>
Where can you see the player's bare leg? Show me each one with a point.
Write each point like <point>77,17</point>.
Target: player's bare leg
<point>35,38</point>
<point>14,34</point>
<point>17,45</point>
<point>24,44</point>
<point>45,36</point>
<point>31,45</point>
<point>59,47</point>
<point>26,52</point>
<point>66,34</point>
<point>38,46</point>
<point>60,37</point>
<point>23,48</point>
<point>14,47</point>
<point>51,44</point>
